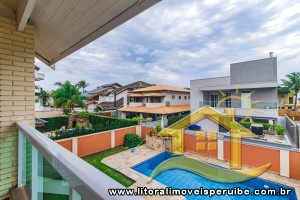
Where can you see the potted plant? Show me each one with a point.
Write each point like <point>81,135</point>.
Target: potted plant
<point>280,132</point>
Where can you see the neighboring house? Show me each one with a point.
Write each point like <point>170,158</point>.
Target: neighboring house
<point>118,97</point>
<point>38,77</point>
<point>287,101</point>
<point>112,96</point>
<point>101,93</point>
<point>156,100</point>
<point>251,90</point>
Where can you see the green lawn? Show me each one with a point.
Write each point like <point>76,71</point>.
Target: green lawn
<point>96,159</point>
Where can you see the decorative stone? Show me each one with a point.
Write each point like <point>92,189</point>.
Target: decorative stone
<point>159,143</point>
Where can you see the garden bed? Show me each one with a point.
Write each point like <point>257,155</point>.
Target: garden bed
<point>95,160</point>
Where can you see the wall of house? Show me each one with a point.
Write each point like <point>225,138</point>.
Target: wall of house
<point>263,70</point>
<point>265,95</point>
<point>197,94</point>
<point>16,95</point>
<point>208,125</point>
<point>94,143</point>
<point>176,100</point>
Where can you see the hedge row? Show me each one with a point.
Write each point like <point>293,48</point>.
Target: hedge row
<point>53,123</point>
<point>97,124</point>
<point>173,119</point>
<point>110,123</point>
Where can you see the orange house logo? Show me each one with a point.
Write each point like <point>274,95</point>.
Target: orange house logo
<point>209,141</point>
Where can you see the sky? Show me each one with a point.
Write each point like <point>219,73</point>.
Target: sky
<point>176,41</point>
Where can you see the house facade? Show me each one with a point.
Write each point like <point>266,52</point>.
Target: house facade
<point>156,100</point>
<point>112,96</point>
<point>102,93</point>
<point>250,91</point>
<point>287,101</point>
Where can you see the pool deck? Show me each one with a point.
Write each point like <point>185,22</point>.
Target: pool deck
<point>123,162</point>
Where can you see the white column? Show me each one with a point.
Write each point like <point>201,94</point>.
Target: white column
<point>112,138</point>
<point>285,163</point>
<point>162,121</point>
<point>75,146</point>
<point>138,130</point>
<point>220,149</point>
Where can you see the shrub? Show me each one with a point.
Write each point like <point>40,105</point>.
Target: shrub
<point>54,123</point>
<point>138,119</point>
<point>96,109</point>
<point>158,127</point>
<point>109,123</point>
<point>132,140</point>
<point>159,117</point>
<point>84,114</point>
<point>97,124</point>
<point>174,119</point>
<point>280,130</point>
<point>245,124</point>
<point>149,119</point>
<point>266,126</point>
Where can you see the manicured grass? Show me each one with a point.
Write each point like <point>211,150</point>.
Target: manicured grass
<point>96,159</point>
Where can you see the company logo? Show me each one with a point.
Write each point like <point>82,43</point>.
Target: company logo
<point>209,141</point>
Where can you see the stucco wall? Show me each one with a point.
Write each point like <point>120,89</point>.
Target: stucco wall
<point>263,70</point>
<point>197,94</point>
<point>93,143</point>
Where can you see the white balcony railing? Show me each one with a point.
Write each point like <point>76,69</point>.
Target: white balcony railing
<point>39,76</point>
<point>46,168</point>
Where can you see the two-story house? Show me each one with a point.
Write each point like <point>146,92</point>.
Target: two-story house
<point>156,100</point>
<point>112,96</point>
<point>251,90</point>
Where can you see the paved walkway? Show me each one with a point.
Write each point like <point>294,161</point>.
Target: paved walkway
<point>125,160</point>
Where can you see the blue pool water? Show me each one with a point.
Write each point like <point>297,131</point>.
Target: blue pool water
<point>182,179</point>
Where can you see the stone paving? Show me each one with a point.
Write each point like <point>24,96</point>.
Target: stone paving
<point>125,160</point>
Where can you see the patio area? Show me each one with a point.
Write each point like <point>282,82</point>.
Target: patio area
<point>123,162</point>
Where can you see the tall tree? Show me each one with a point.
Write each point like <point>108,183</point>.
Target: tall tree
<point>293,84</point>
<point>59,84</point>
<point>44,96</point>
<point>67,97</point>
<point>82,85</point>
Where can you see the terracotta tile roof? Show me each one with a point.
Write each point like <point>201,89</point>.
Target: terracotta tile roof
<point>157,110</point>
<point>136,95</point>
<point>152,94</point>
<point>161,88</point>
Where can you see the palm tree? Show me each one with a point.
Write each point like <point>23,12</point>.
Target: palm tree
<point>44,96</point>
<point>293,84</point>
<point>67,97</point>
<point>82,85</point>
<point>59,84</point>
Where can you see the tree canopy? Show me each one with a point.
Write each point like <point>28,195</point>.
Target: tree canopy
<point>68,97</point>
<point>293,84</point>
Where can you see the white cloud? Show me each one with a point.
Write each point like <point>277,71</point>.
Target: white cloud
<point>176,41</point>
<point>140,49</point>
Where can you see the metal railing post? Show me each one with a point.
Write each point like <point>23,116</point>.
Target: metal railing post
<point>21,158</point>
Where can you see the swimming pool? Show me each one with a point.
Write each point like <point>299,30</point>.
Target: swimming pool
<point>181,179</point>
